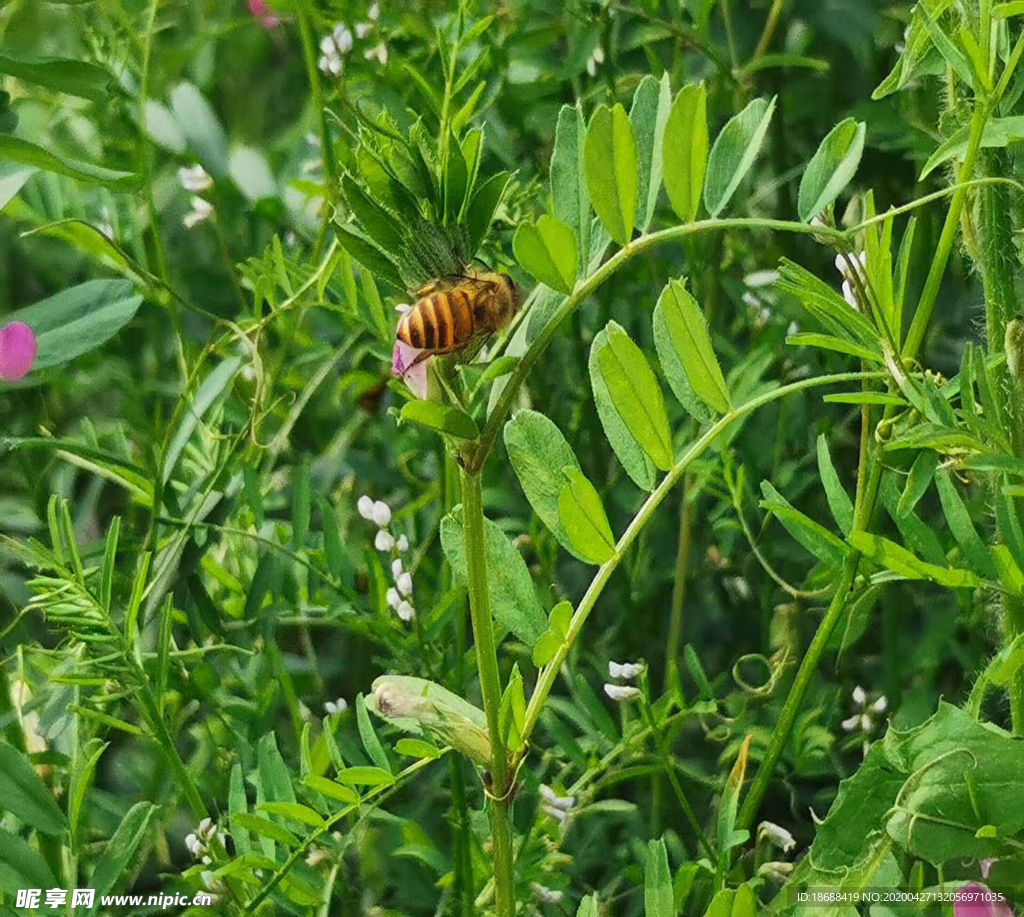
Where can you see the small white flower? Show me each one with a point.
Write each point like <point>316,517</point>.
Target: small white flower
<point>193,845</point>
<point>622,692</point>
<point>551,812</point>
<point>335,66</point>
<point>404,584</point>
<point>334,707</point>
<point>402,544</point>
<point>880,705</point>
<point>851,722</point>
<point>776,871</point>
<point>778,835</point>
<point>200,212</point>
<point>327,45</point>
<point>384,541</point>
<point>547,895</point>
<point>374,12</point>
<point>363,29</point>
<point>599,54</point>
<point>758,279</point>
<point>394,599</point>
<point>342,38</point>
<point>793,328</point>
<point>396,567</point>
<point>381,513</point>
<point>194,179</point>
<point>402,308</point>
<point>324,64</point>
<point>206,829</point>
<point>849,295</point>
<point>624,670</point>
<point>551,798</point>
<point>405,611</point>
<point>365,507</point>
<point>859,696</point>
<point>378,52</point>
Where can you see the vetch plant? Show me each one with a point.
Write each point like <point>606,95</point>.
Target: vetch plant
<point>697,406</point>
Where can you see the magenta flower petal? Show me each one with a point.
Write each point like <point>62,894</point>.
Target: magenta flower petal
<point>407,364</point>
<point>975,900</point>
<point>17,351</point>
<point>261,10</point>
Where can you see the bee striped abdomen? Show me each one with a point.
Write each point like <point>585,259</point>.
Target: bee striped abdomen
<point>461,315</point>
<point>441,305</point>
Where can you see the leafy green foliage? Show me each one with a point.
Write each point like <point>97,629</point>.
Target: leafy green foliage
<point>734,152</point>
<point>610,166</point>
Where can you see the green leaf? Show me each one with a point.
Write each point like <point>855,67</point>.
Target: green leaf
<point>588,906</point>
<point>634,392</point>
<point>162,128</point>
<point>947,49</point>
<point>21,866</point>
<point>332,789</point>
<point>273,772</point>
<point>839,345</point>
<point>369,737</point>
<point>838,499</point>
<point>918,481</point>
<point>898,559</point>
<point>294,811</point>
<point>658,900</point>
<point>538,452</point>
<point>831,168</point>
<point>380,225</point>
<point>482,206</point>
<point>686,151</point>
<point>813,536</point>
<point>513,599</point>
<point>734,153</point>
<point>78,319</point>
<point>443,418</point>
<point>81,778</point>
<point>266,829</point>
<point>512,710</point>
<point>998,133</point>
<point>583,518</point>
<point>417,748</point>
<point>975,553</point>
<point>648,116</point>
<point>120,849</point>
<point>369,255</point>
<point>365,776</point>
<point>545,648</point>
<point>301,504</point>
<point>547,250</point>
<point>12,180</point>
<point>237,804</point>
<point>625,445</point>
<point>827,306</point>
<point>201,128</point>
<point>568,184</point>
<point>610,161</point>
<point>74,77</point>
<point>14,149</point>
<point>727,809</point>
<point>560,619</point>
<point>24,795</point>
<point>682,341</point>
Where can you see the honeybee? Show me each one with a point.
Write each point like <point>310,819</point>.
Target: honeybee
<point>452,313</point>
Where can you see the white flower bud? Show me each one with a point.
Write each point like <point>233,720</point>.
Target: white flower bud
<point>365,507</point>
<point>551,812</point>
<point>343,39</point>
<point>394,600</point>
<point>396,567</point>
<point>880,705</point>
<point>622,692</point>
<point>547,895</point>
<point>778,835</point>
<point>374,12</point>
<point>551,798</point>
<point>402,544</point>
<point>206,828</point>
<point>624,670</point>
<point>363,29</point>
<point>859,696</point>
<point>195,179</point>
<point>192,844</point>
<point>405,584</point>
<point>384,541</point>
<point>406,612</point>
<point>850,723</point>
<point>381,513</point>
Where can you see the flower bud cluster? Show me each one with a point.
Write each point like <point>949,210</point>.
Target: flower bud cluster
<point>623,671</point>
<point>399,596</point>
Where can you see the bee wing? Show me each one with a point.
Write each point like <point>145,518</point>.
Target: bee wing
<point>441,284</point>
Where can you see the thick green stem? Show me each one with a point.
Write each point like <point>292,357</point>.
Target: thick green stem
<point>490,688</point>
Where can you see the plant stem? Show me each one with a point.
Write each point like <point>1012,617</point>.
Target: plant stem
<point>771,24</point>
<point>930,292</point>
<point>313,74</point>
<point>490,688</point>
<point>675,623</point>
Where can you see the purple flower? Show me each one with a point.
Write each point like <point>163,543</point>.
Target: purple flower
<point>976,900</point>
<point>408,363</point>
<point>17,351</point>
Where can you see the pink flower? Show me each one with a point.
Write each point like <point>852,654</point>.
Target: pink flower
<point>261,10</point>
<point>408,364</point>
<point>975,900</point>
<point>17,351</point>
